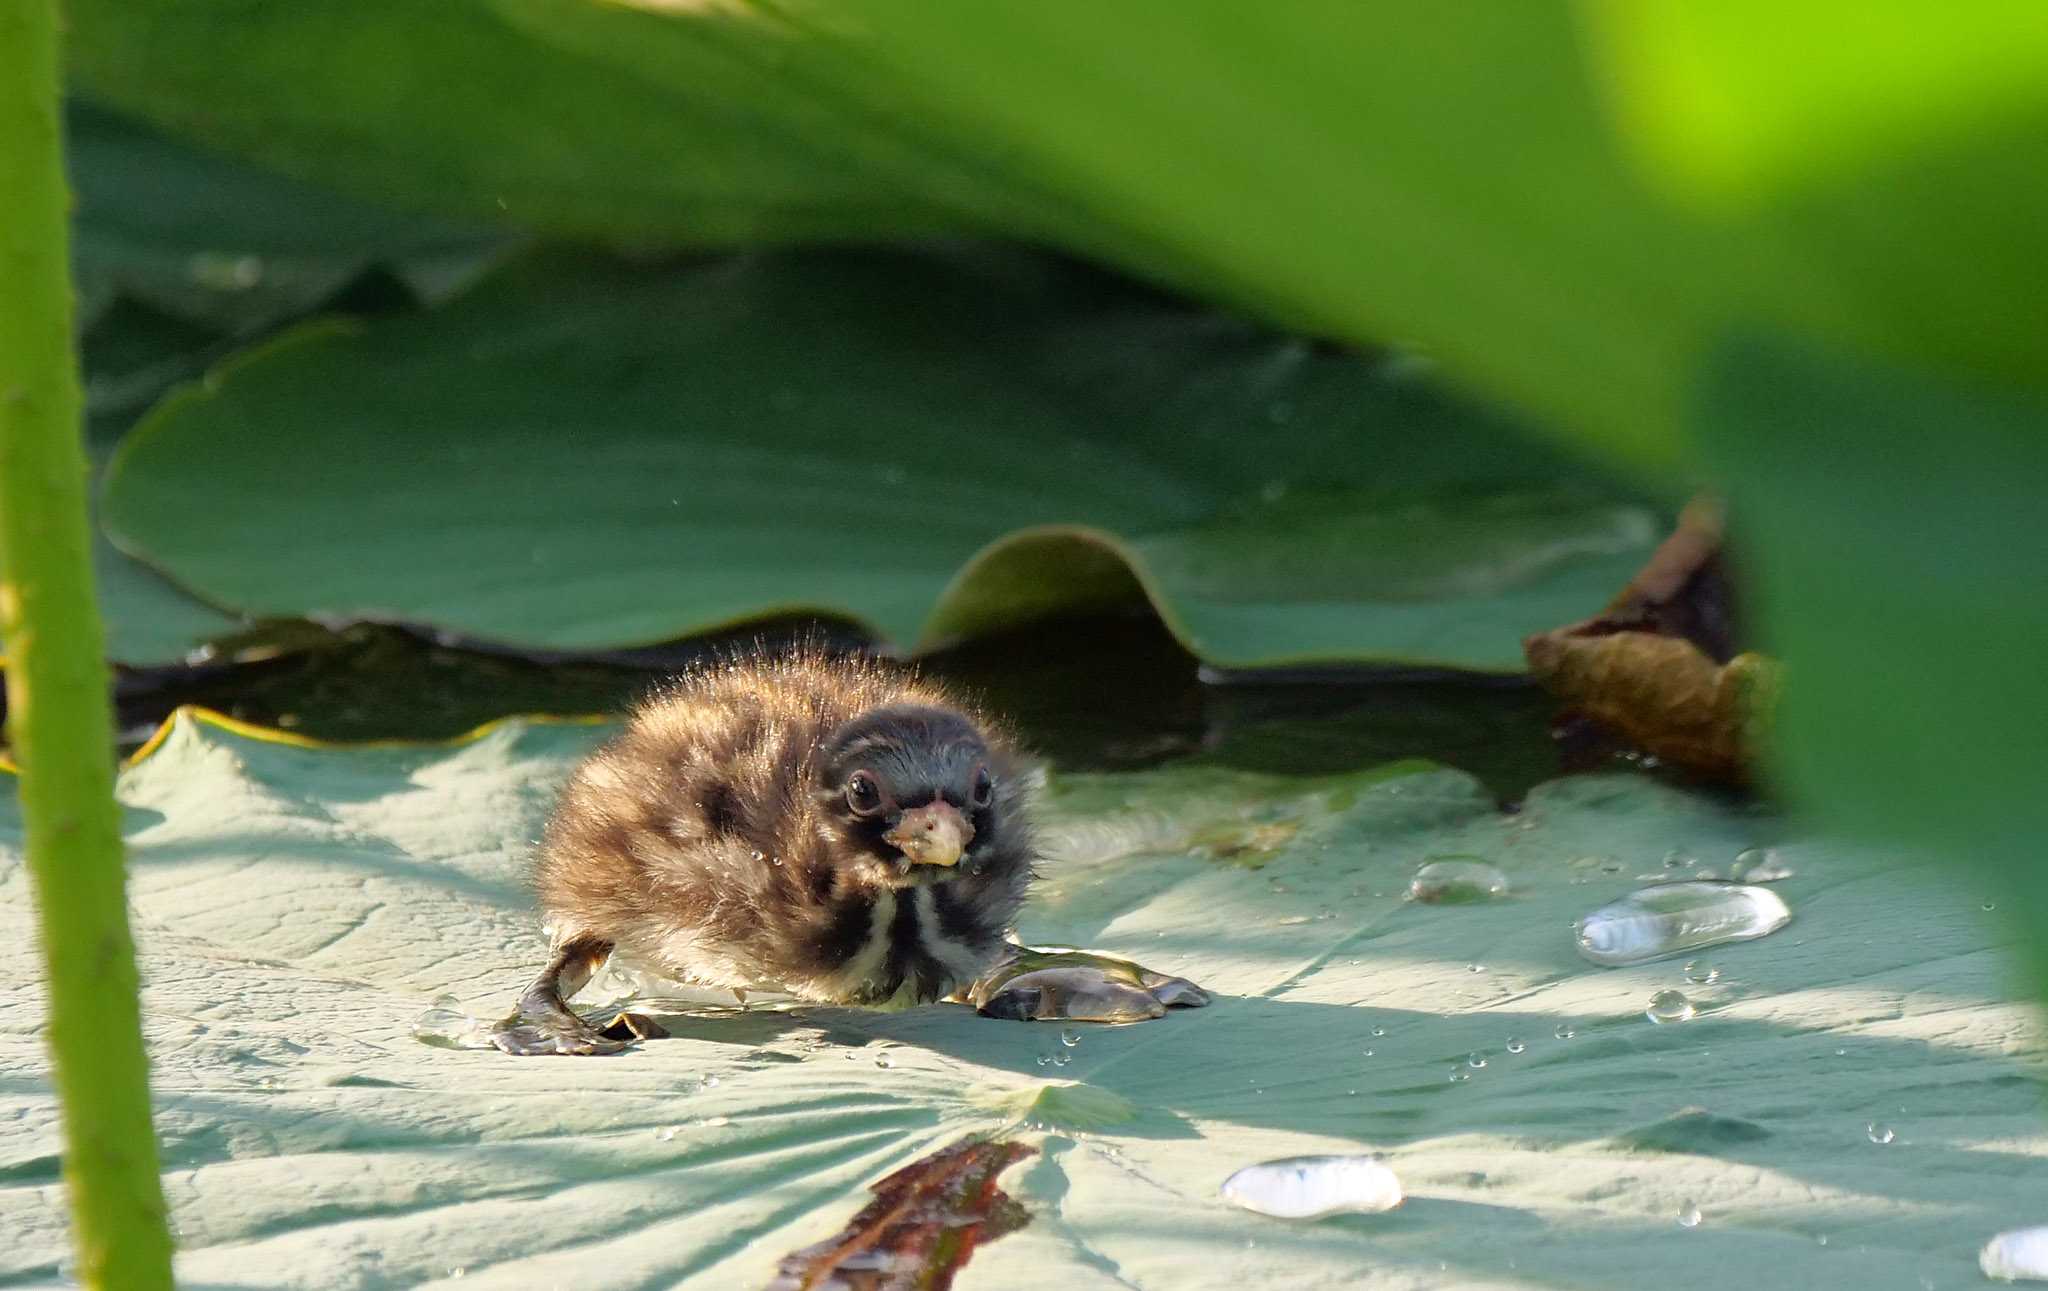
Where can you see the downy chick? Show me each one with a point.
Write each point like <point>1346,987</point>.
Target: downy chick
<point>830,828</point>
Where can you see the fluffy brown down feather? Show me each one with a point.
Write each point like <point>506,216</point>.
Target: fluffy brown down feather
<point>711,839</point>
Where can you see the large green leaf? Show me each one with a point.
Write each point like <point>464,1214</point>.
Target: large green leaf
<point>569,116</point>
<point>298,908</point>
<point>1447,177</point>
<point>595,454</point>
<point>1444,177</point>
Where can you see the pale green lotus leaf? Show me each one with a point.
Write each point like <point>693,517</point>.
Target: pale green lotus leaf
<point>299,907</point>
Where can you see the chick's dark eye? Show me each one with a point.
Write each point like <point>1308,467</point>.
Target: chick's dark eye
<point>863,794</point>
<point>984,787</point>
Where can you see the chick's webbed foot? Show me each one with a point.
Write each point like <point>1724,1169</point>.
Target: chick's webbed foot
<point>527,1035</point>
<point>544,1024</point>
<point>1060,985</point>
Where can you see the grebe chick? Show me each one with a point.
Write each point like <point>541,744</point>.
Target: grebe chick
<point>830,828</point>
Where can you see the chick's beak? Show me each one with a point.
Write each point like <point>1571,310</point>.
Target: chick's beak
<point>934,834</point>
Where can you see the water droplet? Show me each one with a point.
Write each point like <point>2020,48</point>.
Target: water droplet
<point>1308,1187</point>
<point>1062,1058</point>
<point>1045,1060</point>
<point>1879,1133</point>
<point>710,1082</point>
<point>1669,1006</point>
<point>1676,859</point>
<point>1457,882</point>
<point>1759,865</point>
<point>667,1132</point>
<point>1477,1058</point>
<point>1991,905</point>
<point>1701,974</point>
<point>446,1026</point>
<point>1515,1044</point>
<point>1565,1031</point>
<point>1070,1037</point>
<point>884,1061</point>
<point>1379,1031</point>
<point>1459,1075</point>
<point>1672,918</point>
<point>1475,968</point>
<point>1689,1215</point>
<point>1368,1053</point>
<point>1822,1239</point>
<point>458,1271</point>
<point>218,272</point>
<point>2021,1253</point>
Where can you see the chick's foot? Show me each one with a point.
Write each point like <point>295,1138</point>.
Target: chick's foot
<point>1055,984</point>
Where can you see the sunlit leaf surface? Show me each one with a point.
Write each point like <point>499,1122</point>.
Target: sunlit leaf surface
<point>298,908</point>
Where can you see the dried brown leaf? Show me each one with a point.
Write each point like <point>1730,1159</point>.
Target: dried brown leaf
<point>923,1225</point>
<point>1659,666</point>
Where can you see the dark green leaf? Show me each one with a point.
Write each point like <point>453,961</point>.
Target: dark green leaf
<point>588,454</point>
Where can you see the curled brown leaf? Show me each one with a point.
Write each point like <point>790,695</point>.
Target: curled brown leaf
<point>924,1223</point>
<point>1660,666</point>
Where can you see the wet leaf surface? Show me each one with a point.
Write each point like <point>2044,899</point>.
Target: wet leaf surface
<point>298,909</point>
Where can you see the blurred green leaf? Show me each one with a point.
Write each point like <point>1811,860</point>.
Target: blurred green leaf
<point>563,115</point>
<point>1894,154</point>
<point>308,904</point>
<point>1444,178</point>
<point>597,454</point>
<point>1910,599</point>
<point>1730,118</point>
<point>212,241</point>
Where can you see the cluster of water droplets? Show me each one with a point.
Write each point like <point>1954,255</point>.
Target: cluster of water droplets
<point>1070,1039</point>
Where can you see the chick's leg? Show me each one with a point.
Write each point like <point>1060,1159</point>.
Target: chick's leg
<point>543,1022</point>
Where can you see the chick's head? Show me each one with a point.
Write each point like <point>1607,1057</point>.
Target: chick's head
<point>917,794</point>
